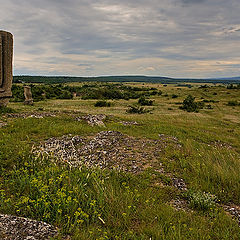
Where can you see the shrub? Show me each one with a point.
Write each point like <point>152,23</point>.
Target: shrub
<point>136,109</point>
<point>6,110</point>
<point>145,102</point>
<point>102,103</point>
<point>190,105</point>
<point>66,95</point>
<point>233,103</point>
<point>209,106</point>
<point>174,96</point>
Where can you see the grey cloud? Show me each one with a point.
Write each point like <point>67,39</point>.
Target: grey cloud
<point>193,1</point>
<point>105,34</point>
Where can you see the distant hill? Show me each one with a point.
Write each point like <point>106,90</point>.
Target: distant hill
<point>147,79</point>
<point>231,78</point>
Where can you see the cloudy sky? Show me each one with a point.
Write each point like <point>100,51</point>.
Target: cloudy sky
<point>175,38</point>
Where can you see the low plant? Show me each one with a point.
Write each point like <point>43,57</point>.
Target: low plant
<point>136,109</point>
<point>174,96</point>
<point>6,110</point>
<point>190,105</point>
<point>233,103</point>
<point>102,103</point>
<point>201,200</point>
<point>145,102</point>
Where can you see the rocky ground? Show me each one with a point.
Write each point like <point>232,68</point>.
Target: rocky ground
<point>2,124</point>
<point>93,120</point>
<point>107,149</point>
<point>29,114</point>
<point>18,228</point>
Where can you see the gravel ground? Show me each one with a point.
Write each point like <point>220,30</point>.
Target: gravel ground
<point>18,228</point>
<point>107,149</point>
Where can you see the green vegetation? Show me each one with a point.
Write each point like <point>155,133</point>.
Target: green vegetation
<point>144,79</point>
<point>145,102</point>
<point>6,110</point>
<point>201,200</point>
<point>92,203</point>
<point>102,103</point>
<point>233,86</point>
<point>190,105</point>
<point>136,109</point>
<point>233,103</point>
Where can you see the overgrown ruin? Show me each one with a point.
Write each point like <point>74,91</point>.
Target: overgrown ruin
<point>6,57</point>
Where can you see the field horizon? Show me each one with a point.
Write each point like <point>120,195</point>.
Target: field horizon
<point>124,160</point>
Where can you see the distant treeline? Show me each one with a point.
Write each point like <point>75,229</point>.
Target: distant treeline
<point>163,80</point>
<point>87,91</point>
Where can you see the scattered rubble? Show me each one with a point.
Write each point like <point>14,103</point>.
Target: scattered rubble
<point>93,120</point>
<point>167,138</point>
<point>179,183</point>
<point>107,149</point>
<point>2,124</point>
<point>129,123</point>
<point>180,204</point>
<point>30,115</point>
<point>19,228</point>
<point>234,211</point>
<point>220,144</point>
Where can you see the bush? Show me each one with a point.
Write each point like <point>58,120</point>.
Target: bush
<point>6,110</point>
<point>233,103</point>
<point>174,96</point>
<point>209,106</point>
<point>144,102</point>
<point>190,105</point>
<point>66,95</point>
<point>136,109</point>
<point>102,104</point>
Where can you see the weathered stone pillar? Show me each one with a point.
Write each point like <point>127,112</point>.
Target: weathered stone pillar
<point>28,95</point>
<point>6,56</point>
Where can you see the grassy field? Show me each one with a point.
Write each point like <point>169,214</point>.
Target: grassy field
<point>108,204</point>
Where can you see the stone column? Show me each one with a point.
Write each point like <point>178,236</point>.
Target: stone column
<point>6,56</point>
<point>28,95</point>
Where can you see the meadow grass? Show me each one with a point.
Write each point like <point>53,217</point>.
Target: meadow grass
<point>104,204</point>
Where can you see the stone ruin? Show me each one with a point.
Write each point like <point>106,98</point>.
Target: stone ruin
<point>6,57</point>
<point>28,95</point>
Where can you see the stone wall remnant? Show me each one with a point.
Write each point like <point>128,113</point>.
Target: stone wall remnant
<point>6,57</point>
<point>28,95</point>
